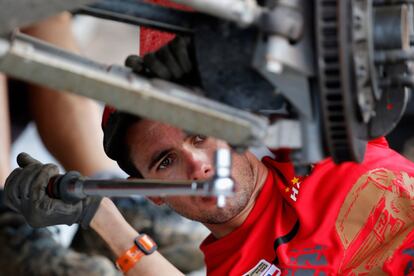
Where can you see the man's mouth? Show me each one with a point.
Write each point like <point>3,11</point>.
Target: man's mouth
<point>208,199</point>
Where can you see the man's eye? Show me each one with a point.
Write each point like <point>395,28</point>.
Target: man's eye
<point>166,162</point>
<point>197,139</point>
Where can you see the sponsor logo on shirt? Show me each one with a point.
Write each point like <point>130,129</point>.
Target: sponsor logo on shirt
<point>264,268</point>
<point>308,261</point>
<point>294,188</point>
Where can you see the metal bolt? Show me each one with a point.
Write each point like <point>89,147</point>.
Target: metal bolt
<point>274,66</point>
<point>221,201</point>
<point>223,162</point>
<point>275,44</point>
<point>223,184</point>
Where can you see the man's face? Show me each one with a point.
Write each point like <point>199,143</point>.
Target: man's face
<point>160,151</point>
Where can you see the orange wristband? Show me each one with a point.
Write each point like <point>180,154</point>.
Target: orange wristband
<point>127,260</point>
<point>143,245</point>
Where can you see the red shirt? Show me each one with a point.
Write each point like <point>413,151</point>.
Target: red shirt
<point>348,219</point>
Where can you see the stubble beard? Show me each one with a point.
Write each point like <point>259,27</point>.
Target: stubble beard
<point>234,204</point>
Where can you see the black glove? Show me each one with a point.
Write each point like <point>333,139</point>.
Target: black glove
<point>173,62</point>
<point>25,192</point>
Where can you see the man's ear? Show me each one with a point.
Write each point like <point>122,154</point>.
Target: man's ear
<point>157,200</point>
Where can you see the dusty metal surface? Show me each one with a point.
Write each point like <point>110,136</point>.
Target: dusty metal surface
<point>34,61</point>
<point>20,13</point>
<point>243,12</point>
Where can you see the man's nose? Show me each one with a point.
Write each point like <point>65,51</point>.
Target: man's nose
<point>200,165</point>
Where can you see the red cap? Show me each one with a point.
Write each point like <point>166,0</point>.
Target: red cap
<point>115,125</point>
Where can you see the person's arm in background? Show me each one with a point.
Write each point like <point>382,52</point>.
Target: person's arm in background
<point>69,125</point>
<point>4,132</point>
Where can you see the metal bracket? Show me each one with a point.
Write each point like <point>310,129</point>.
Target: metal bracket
<point>32,60</point>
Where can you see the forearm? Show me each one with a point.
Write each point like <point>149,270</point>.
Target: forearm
<point>55,30</point>
<point>67,121</point>
<point>119,235</point>
<point>4,132</point>
<point>73,127</point>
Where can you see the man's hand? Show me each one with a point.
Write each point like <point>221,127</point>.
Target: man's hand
<point>25,192</point>
<point>173,62</point>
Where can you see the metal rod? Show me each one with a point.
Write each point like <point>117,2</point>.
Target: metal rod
<point>394,56</point>
<point>72,188</point>
<point>144,187</point>
<point>141,14</point>
<point>31,60</point>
